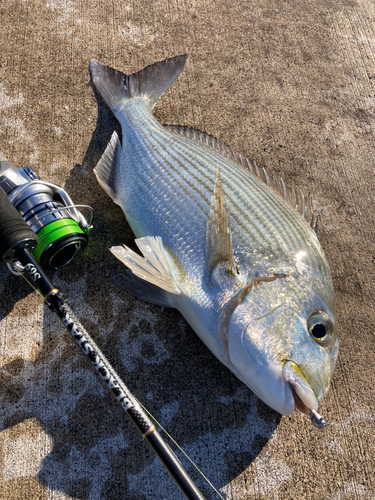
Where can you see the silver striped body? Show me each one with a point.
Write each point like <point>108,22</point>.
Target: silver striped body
<point>167,182</point>
<point>166,187</point>
<point>269,316</point>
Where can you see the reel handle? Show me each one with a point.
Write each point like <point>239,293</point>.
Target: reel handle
<point>15,234</point>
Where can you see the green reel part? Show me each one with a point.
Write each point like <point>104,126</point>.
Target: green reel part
<point>60,242</point>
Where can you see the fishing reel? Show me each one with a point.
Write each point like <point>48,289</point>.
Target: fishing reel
<point>62,230</point>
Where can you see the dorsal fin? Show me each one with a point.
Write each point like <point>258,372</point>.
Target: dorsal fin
<point>294,195</point>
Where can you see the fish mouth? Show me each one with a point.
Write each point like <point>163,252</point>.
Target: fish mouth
<point>304,397</point>
<point>299,404</point>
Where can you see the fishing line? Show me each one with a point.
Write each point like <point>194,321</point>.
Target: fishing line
<point>153,418</point>
<point>150,414</point>
<point>32,286</point>
<point>179,447</point>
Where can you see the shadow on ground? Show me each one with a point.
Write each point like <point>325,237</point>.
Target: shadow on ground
<point>95,449</point>
<point>96,453</point>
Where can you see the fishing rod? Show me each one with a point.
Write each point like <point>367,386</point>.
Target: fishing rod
<point>18,245</point>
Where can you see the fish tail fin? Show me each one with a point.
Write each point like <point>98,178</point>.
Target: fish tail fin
<point>151,82</point>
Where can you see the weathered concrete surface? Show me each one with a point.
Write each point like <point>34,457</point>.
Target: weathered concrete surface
<point>291,85</point>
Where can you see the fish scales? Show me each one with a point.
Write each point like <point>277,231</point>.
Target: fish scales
<point>179,167</point>
<point>250,215</point>
<point>241,264</point>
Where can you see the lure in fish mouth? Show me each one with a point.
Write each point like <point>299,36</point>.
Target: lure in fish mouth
<point>305,399</point>
<point>227,244</point>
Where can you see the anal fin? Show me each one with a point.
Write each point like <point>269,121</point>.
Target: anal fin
<point>105,170</point>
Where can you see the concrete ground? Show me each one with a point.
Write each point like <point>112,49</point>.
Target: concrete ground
<point>289,84</point>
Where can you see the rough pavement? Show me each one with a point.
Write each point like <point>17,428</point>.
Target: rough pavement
<point>289,84</point>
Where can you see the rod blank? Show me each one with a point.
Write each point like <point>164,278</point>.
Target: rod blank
<point>56,303</point>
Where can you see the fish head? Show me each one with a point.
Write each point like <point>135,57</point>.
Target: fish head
<point>282,340</point>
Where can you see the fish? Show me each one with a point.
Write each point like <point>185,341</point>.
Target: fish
<point>230,246</point>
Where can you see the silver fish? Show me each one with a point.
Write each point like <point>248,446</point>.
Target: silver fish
<point>228,245</point>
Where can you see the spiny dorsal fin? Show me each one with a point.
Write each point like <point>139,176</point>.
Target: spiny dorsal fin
<point>294,195</point>
<point>218,234</point>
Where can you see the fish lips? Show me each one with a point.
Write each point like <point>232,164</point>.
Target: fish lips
<point>304,397</point>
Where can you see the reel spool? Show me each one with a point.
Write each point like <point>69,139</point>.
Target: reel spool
<point>62,230</point>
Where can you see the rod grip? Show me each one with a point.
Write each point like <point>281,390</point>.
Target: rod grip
<point>15,234</point>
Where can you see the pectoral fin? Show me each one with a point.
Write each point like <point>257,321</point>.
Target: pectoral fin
<point>218,234</point>
<point>153,277</point>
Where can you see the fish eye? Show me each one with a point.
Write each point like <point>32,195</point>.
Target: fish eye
<point>320,327</point>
